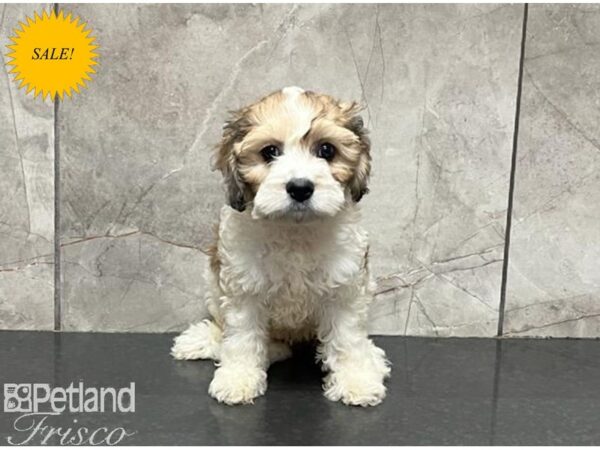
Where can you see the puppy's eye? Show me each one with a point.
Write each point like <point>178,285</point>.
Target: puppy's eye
<point>270,152</point>
<point>326,151</point>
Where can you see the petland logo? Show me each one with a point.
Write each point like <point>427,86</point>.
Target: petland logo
<point>39,402</point>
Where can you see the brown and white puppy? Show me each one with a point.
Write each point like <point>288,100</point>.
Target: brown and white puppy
<point>290,261</point>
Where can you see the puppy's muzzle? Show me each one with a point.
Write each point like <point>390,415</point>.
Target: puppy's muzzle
<point>300,189</point>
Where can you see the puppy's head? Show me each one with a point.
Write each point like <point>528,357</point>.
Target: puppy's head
<point>294,154</point>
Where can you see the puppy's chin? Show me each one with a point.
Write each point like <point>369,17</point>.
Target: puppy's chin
<point>293,212</point>
<point>272,202</point>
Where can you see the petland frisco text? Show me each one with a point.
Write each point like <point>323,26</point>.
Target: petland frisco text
<point>38,403</point>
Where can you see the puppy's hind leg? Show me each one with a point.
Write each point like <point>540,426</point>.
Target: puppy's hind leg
<point>199,341</point>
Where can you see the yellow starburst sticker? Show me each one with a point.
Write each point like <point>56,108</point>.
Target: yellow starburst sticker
<point>52,54</point>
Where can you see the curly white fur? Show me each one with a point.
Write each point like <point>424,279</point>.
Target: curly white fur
<point>282,282</point>
<point>288,271</point>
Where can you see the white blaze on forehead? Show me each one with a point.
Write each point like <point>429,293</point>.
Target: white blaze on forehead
<point>300,113</point>
<point>292,91</point>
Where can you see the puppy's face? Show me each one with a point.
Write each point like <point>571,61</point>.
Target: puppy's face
<point>295,154</point>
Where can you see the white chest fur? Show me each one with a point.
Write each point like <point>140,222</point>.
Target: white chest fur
<point>292,267</point>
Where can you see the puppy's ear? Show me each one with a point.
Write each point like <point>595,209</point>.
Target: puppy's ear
<point>358,183</point>
<point>226,161</point>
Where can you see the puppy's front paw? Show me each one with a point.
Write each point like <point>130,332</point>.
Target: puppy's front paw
<point>355,387</point>
<point>238,384</point>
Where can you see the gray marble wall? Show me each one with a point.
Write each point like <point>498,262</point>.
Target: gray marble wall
<point>440,84</point>
<point>26,197</point>
<point>554,265</point>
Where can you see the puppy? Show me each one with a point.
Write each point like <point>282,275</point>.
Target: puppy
<point>291,261</point>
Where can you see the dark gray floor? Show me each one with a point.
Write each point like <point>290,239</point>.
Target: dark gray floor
<point>442,391</point>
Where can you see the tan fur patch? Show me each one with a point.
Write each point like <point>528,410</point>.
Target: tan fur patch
<point>213,252</point>
<point>293,116</point>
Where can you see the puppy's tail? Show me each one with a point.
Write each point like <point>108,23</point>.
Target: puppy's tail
<point>199,341</point>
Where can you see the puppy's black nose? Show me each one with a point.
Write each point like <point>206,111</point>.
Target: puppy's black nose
<point>300,189</point>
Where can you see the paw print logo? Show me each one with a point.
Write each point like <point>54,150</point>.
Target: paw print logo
<point>17,397</point>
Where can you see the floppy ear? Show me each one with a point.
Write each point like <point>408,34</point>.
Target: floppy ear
<point>225,159</point>
<point>360,179</point>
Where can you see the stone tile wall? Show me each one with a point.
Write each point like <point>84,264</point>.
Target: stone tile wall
<point>440,85</point>
<point>26,195</point>
<point>554,275</point>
